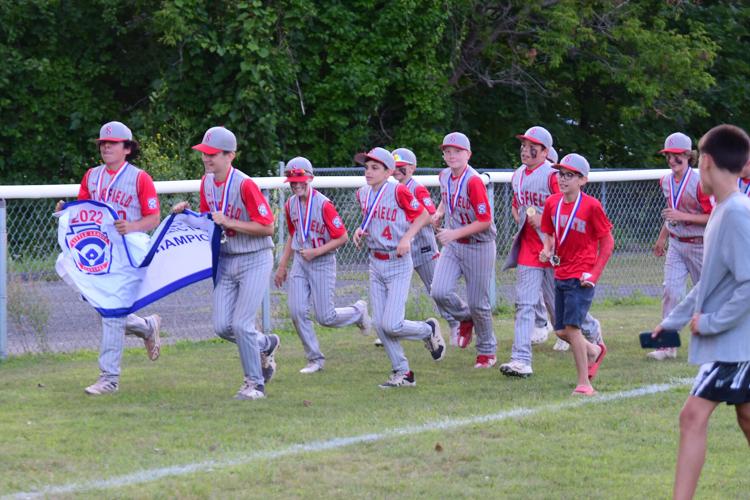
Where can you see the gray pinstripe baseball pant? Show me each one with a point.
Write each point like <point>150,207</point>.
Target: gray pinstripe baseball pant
<point>315,281</point>
<point>426,273</point>
<point>390,281</point>
<point>683,259</point>
<point>474,261</point>
<point>241,282</point>
<point>113,342</point>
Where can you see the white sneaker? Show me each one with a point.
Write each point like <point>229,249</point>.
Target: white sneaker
<point>102,386</point>
<point>378,342</point>
<point>312,367</point>
<point>540,334</point>
<point>662,354</point>
<point>435,343</point>
<point>365,323</point>
<point>153,341</point>
<point>250,392</point>
<point>268,358</point>
<point>516,368</point>
<point>561,345</point>
<point>399,379</point>
<point>454,335</point>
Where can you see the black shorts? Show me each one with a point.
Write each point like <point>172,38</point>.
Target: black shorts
<point>723,382</point>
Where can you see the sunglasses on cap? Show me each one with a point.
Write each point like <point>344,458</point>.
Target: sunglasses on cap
<point>297,172</point>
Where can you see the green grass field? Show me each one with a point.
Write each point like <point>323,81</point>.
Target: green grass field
<point>177,416</point>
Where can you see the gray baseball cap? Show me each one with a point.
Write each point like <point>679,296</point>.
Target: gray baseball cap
<point>216,140</point>
<point>403,156</point>
<point>380,155</point>
<point>115,132</point>
<point>677,143</point>
<point>552,155</point>
<point>574,162</point>
<point>537,135</point>
<point>456,140</point>
<point>298,169</point>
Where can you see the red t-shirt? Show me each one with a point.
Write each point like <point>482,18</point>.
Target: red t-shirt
<point>329,214</point>
<point>145,188</point>
<point>531,244</point>
<point>579,250</point>
<point>251,197</point>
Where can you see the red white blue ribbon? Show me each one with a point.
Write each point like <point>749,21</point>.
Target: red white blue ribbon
<point>371,207</point>
<point>410,184</point>
<point>746,188</point>
<point>676,196</point>
<point>569,223</point>
<point>453,198</point>
<point>222,205</point>
<point>305,223</point>
<point>104,195</point>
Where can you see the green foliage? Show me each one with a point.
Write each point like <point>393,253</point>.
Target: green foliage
<point>326,79</point>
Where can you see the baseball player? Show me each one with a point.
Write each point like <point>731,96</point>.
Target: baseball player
<point>685,218</point>
<point>239,208</point>
<point>131,193</point>
<point>391,218</point>
<point>315,232</point>
<point>468,238</point>
<point>578,243</point>
<point>424,251</point>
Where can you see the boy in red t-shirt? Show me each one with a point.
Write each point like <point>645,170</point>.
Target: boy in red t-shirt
<point>578,243</point>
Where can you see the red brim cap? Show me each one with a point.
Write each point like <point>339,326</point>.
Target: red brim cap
<point>206,149</point>
<point>361,158</point>
<point>457,146</point>
<point>301,178</point>
<point>529,138</point>
<point>674,150</point>
<point>402,163</point>
<point>558,166</point>
<point>111,139</point>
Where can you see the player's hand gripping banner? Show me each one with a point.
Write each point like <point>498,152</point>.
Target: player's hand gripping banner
<point>119,274</point>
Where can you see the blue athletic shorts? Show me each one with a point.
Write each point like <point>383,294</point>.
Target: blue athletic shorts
<point>723,382</point>
<point>572,303</point>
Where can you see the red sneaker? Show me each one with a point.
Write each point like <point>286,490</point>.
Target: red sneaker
<point>465,330</point>
<point>485,361</point>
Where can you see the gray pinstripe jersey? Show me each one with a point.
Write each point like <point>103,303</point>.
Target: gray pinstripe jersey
<point>463,213</point>
<point>423,246</point>
<point>688,203</point>
<point>388,224</point>
<point>239,242</point>
<point>319,234</point>
<point>531,190</point>
<point>123,194</point>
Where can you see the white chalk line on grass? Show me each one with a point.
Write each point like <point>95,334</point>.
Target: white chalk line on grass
<point>149,475</point>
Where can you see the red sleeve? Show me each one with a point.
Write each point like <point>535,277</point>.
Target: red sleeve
<point>408,203</point>
<point>514,203</point>
<point>554,186</point>
<point>147,194</point>
<point>83,191</point>
<point>333,221</point>
<point>600,223</point>
<point>477,197</point>
<point>704,200</point>
<point>289,223</point>
<point>547,212</point>
<point>255,203</point>
<point>203,206</point>
<point>423,196</point>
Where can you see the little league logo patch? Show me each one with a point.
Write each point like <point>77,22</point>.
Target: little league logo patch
<point>91,249</point>
<point>427,202</point>
<point>337,222</point>
<point>152,203</point>
<point>482,208</point>
<point>262,210</point>
<point>414,204</point>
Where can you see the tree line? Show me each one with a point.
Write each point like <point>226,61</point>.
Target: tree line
<point>328,78</point>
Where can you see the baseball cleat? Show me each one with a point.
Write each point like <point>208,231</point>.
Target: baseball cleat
<point>250,391</point>
<point>102,386</point>
<point>365,322</point>
<point>268,358</point>
<point>561,345</point>
<point>399,379</point>
<point>485,361</point>
<point>540,334</point>
<point>516,368</point>
<point>312,367</point>
<point>435,342</point>
<point>377,342</point>
<point>662,354</point>
<point>153,342</point>
<point>465,332</point>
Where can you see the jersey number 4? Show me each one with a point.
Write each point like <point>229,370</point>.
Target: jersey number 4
<point>387,233</point>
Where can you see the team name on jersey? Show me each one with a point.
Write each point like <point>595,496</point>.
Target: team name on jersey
<point>532,198</point>
<point>382,213</point>
<point>578,224</point>
<point>118,197</point>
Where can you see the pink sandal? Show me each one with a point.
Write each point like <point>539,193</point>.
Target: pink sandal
<point>594,367</point>
<point>584,390</point>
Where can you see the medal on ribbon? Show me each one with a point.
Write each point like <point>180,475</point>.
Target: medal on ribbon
<point>555,259</point>
<point>370,208</point>
<point>744,189</point>
<point>676,192</point>
<point>304,224</point>
<point>453,198</point>
<point>221,205</point>
<point>104,195</point>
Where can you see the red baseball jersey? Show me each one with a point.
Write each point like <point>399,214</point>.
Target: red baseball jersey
<point>129,190</point>
<point>579,250</point>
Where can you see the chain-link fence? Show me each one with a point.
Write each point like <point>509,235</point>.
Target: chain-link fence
<point>44,314</point>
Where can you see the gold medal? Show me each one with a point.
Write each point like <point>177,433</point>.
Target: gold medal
<point>555,260</point>
<point>224,237</point>
<point>530,211</point>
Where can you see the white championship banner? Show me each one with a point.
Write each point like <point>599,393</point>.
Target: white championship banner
<point>119,274</point>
